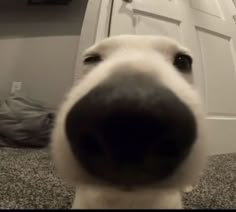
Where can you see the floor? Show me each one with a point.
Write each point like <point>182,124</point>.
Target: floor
<point>28,180</point>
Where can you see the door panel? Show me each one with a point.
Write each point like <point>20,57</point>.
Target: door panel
<point>158,26</point>
<point>150,17</point>
<point>209,7</point>
<point>218,70</point>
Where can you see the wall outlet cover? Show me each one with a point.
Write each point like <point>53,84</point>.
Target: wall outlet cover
<point>16,86</point>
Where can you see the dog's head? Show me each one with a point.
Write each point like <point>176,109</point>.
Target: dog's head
<point>134,119</point>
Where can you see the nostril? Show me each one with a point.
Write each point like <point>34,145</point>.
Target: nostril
<point>90,144</point>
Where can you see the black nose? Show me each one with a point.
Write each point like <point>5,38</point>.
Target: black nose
<point>130,130</point>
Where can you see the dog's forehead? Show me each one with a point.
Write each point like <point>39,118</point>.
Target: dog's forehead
<point>141,42</point>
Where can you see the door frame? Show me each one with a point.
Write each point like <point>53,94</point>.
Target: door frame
<point>96,26</point>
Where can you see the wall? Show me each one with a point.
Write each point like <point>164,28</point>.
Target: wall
<point>38,46</point>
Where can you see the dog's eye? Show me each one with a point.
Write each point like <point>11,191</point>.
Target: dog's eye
<point>183,62</point>
<point>92,59</point>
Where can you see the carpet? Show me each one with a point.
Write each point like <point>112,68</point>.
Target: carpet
<point>28,180</point>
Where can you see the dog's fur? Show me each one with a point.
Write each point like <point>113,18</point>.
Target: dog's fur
<point>152,56</point>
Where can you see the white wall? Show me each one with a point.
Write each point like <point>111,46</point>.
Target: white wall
<point>38,46</point>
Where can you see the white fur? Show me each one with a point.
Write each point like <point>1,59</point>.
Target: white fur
<point>152,56</point>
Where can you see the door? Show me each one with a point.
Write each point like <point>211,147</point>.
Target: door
<point>208,29</point>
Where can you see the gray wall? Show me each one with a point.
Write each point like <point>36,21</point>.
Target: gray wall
<point>38,46</point>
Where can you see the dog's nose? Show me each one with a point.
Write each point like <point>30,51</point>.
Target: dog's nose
<point>130,130</point>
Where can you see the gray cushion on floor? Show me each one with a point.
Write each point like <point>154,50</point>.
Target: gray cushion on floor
<point>28,180</point>
<point>25,122</point>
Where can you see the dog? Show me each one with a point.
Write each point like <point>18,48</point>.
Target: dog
<point>131,133</point>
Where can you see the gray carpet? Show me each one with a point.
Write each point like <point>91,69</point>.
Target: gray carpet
<point>28,180</point>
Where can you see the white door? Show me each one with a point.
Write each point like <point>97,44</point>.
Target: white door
<point>208,29</point>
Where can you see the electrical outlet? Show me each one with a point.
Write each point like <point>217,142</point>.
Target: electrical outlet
<point>16,86</point>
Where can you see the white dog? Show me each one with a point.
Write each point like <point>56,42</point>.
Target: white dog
<point>131,133</point>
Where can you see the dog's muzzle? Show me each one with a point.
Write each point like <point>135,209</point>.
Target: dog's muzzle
<point>130,130</point>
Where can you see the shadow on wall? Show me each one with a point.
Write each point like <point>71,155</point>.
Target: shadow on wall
<point>17,18</point>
